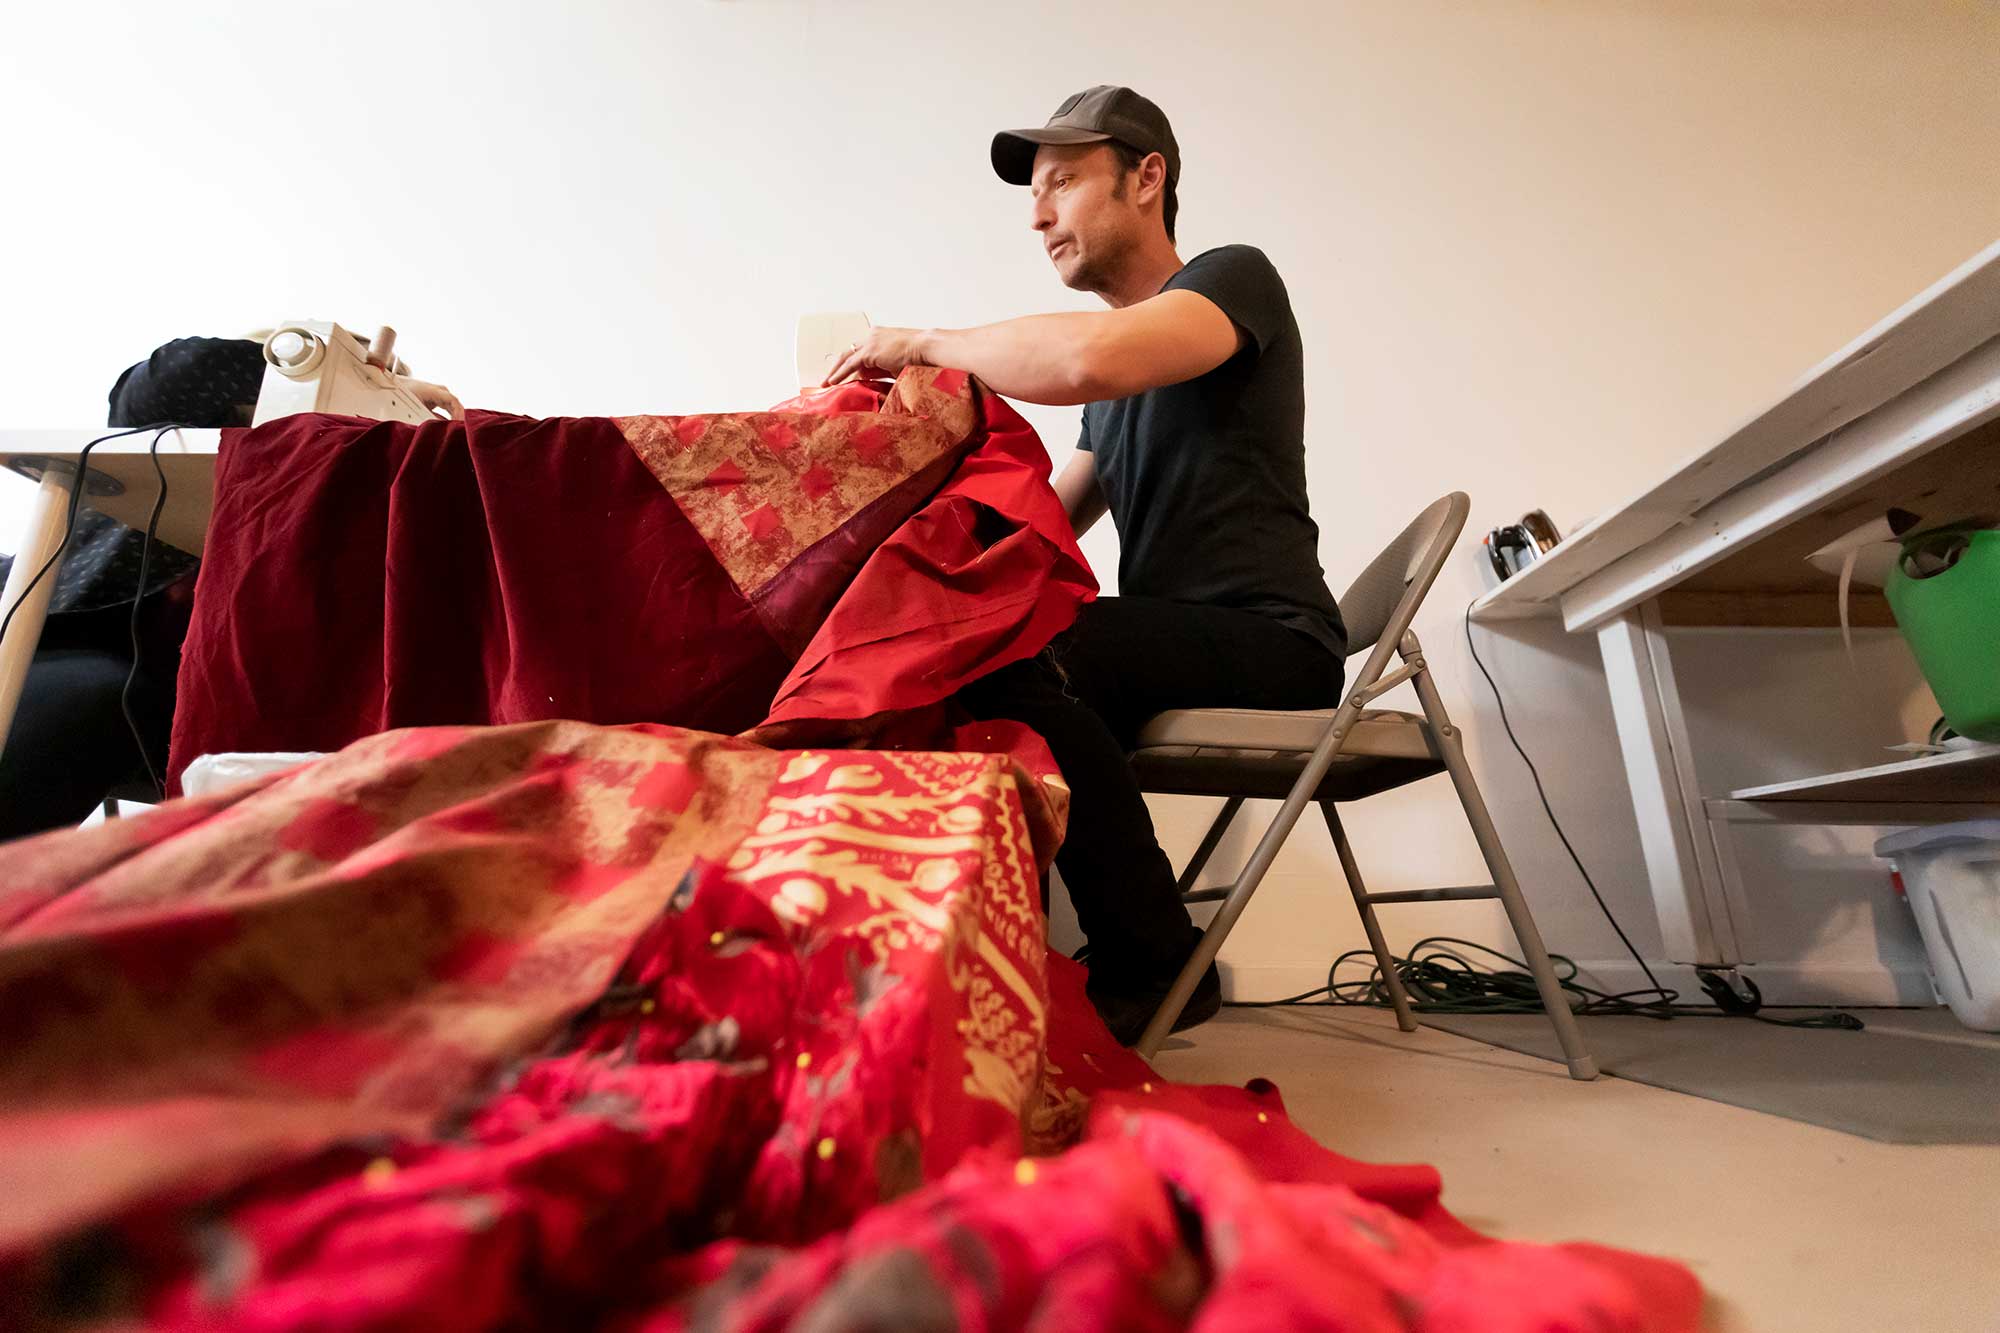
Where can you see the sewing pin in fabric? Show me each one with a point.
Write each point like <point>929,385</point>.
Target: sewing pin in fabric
<point>378,1173</point>
<point>1024,1172</point>
<point>825,1150</point>
<point>805,1060</point>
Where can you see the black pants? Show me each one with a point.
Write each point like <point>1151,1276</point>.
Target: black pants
<point>70,744</point>
<point>1089,693</point>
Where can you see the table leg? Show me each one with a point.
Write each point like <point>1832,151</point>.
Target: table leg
<point>1681,863</point>
<point>47,519</point>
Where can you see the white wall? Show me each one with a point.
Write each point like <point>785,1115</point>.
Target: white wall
<point>1539,251</point>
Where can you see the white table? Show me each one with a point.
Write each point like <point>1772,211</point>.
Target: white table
<point>1911,408</point>
<point>121,484</point>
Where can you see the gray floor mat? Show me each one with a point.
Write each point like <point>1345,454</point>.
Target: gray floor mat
<point>1914,1076</point>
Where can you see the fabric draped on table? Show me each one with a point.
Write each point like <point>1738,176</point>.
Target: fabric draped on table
<point>638,1028</point>
<point>858,552</point>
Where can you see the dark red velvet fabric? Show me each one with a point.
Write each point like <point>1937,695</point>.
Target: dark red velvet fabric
<point>361,576</point>
<point>863,551</point>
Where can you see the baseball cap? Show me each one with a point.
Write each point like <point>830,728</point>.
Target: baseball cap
<point>1095,115</point>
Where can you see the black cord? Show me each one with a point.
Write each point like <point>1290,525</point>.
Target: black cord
<point>82,466</point>
<point>1438,978</point>
<point>1548,810</point>
<point>1444,981</point>
<point>138,602</point>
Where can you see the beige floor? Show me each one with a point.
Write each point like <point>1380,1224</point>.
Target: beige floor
<point>1791,1227</point>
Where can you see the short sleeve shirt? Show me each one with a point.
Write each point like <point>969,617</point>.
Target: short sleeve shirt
<point>1206,479</point>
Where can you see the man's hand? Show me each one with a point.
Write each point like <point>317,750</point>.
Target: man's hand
<point>881,355</point>
<point>434,396</point>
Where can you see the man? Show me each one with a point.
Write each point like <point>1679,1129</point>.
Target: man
<point>1193,439</point>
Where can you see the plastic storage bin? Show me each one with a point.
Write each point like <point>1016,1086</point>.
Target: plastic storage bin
<point>1950,616</point>
<point>1951,873</point>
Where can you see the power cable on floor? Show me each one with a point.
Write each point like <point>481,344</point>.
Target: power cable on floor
<point>1439,978</point>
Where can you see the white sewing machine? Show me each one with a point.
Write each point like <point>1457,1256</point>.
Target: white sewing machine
<point>310,366</point>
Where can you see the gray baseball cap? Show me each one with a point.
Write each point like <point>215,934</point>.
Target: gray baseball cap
<point>1095,115</point>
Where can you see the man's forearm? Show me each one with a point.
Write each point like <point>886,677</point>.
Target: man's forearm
<point>1037,358</point>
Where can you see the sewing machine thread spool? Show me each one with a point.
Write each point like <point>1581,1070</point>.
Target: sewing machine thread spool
<point>293,351</point>
<point>382,352</point>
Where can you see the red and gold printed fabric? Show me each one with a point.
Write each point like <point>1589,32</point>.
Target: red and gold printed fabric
<point>555,1025</point>
<point>850,556</point>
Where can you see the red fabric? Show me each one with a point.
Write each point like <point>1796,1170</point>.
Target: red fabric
<point>985,574</point>
<point>863,551</point>
<point>554,1025</point>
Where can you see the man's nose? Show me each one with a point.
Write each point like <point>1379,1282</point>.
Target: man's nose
<point>1043,217</point>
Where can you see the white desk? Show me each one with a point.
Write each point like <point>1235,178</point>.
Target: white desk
<point>1910,409</point>
<point>122,485</point>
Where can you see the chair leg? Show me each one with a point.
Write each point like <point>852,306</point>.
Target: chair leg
<point>1220,925</point>
<point>1209,841</point>
<point>1399,999</point>
<point>1254,869</point>
<point>1205,949</point>
<point>1554,1002</point>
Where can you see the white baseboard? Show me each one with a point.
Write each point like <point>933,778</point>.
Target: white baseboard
<point>1268,981</point>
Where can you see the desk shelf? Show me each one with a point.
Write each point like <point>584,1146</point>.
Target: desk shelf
<point>1967,776</point>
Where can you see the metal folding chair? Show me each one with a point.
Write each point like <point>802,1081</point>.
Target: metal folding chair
<point>1340,755</point>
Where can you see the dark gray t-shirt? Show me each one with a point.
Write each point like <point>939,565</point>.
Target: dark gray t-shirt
<point>1206,479</point>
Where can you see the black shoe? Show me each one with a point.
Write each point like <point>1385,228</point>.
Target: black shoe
<point>1126,1008</point>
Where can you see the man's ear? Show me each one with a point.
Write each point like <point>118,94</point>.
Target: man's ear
<point>1152,177</point>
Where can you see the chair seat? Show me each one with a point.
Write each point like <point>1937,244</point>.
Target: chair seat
<point>1254,752</point>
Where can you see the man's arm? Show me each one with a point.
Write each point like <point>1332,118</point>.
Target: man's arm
<point>1066,359</point>
<point>1082,498</point>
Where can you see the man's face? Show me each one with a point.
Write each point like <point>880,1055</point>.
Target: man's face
<point>1087,221</point>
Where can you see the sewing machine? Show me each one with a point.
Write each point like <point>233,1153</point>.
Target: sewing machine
<point>310,366</point>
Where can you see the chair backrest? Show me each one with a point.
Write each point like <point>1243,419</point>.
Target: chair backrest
<point>1380,604</point>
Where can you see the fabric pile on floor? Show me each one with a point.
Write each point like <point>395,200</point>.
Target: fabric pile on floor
<point>555,1025</point>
